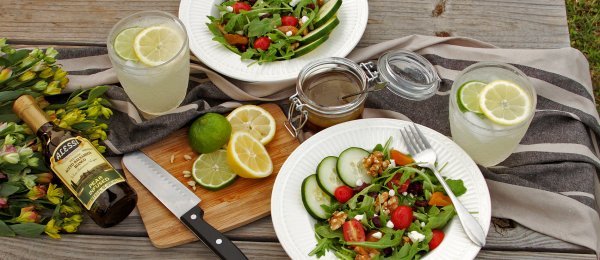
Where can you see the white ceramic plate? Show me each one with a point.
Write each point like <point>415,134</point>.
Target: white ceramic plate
<point>295,227</point>
<point>353,15</point>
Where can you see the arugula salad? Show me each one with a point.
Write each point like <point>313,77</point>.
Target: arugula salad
<point>377,204</point>
<point>271,30</point>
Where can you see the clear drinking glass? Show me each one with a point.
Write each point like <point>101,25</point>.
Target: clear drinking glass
<point>154,90</point>
<point>486,142</point>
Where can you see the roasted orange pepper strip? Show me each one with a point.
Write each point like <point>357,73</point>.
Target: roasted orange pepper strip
<point>439,199</point>
<point>400,158</point>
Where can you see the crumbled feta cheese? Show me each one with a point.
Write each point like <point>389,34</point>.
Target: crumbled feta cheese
<point>229,8</point>
<point>375,215</point>
<point>240,32</point>
<point>304,19</point>
<point>404,193</point>
<point>359,217</point>
<point>294,2</point>
<point>389,224</point>
<point>392,193</point>
<point>415,236</point>
<point>288,33</point>
<point>422,224</point>
<point>411,195</point>
<point>392,163</point>
<point>377,235</point>
<point>359,182</point>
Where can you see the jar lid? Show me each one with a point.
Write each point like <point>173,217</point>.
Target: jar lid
<point>408,75</point>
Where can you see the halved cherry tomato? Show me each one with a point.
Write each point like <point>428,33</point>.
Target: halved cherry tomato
<point>289,20</point>
<point>402,217</point>
<point>353,231</point>
<point>439,199</point>
<point>395,181</point>
<point>400,158</point>
<point>262,43</point>
<point>343,193</point>
<point>241,6</point>
<point>436,239</point>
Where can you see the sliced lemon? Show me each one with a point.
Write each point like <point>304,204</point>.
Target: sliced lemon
<point>247,157</point>
<point>254,120</point>
<point>468,96</point>
<point>123,44</point>
<point>505,103</point>
<point>212,172</point>
<point>156,45</point>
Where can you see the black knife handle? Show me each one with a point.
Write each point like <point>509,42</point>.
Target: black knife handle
<point>211,237</point>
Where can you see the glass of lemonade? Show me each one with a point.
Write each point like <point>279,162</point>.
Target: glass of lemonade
<point>491,107</point>
<point>149,51</point>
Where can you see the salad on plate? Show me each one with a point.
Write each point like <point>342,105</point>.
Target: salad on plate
<point>377,204</point>
<point>272,30</point>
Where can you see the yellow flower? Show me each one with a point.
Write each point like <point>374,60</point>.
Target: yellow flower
<point>54,194</point>
<point>52,229</point>
<point>53,88</point>
<point>36,192</point>
<point>71,224</point>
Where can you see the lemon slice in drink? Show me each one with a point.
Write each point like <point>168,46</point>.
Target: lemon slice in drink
<point>247,157</point>
<point>254,120</point>
<point>211,170</point>
<point>156,45</point>
<point>468,96</point>
<point>505,103</point>
<point>123,44</point>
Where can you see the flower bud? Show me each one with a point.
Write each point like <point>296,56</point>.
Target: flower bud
<point>12,158</point>
<point>63,82</point>
<point>106,112</point>
<point>51,229</point>
<point>51,52</point>
<point>93,111</point>
<point>44,178</point>
<point>36,192</point>
<point>46,73</point>
<point>39,66</point>
<point>25,151</point>
<point>5,74</point>
<point>33,162</point>
<point>28,215</point>
<point>71,224</point>
<point>59,74</point>
<point>9,139</point>
<point>27,61</point>
<point>40,85</point>
<point>54,194</point>
<point>3,203</point>
<point>53,88</point>
<point>27,76</point>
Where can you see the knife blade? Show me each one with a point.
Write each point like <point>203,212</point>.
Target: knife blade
<point>182,202</point>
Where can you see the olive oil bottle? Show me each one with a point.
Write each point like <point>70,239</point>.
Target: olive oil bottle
<point>101,190</point>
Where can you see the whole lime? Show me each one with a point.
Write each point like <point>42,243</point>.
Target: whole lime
<point>209,133</point>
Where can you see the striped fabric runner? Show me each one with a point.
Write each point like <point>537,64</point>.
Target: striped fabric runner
<point>549,184</point>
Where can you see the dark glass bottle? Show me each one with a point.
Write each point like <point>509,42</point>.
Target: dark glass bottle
<point>101,190</point>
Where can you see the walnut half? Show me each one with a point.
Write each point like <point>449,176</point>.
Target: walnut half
<point>337,219</point>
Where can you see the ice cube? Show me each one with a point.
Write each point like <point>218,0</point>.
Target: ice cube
<point>478,121</point>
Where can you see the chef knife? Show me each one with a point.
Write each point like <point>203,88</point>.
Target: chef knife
<point>181,202</point>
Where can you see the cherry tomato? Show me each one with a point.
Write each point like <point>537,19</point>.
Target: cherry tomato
<point>400,158</point>
<point>353,231</point>
<point>262,43</point>
<point>402,217</point>
<point>343,193</point>
<point>241,6</point>
<point>289,20</point>
<point>436,239</point>
<point>395,181</point>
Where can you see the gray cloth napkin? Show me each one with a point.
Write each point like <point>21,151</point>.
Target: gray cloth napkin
<point>549,183</point>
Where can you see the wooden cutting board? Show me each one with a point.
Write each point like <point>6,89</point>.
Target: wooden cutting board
<point>245,201</point>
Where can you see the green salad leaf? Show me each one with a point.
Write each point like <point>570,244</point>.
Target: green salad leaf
<point>457,187</point>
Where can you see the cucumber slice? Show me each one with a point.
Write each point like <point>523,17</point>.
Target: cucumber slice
<point>313,197</point>
<point>310,47</point>
<point>350,167</point>
<point>327,176</point>
<point>327,11</point>
<point>321,31</point>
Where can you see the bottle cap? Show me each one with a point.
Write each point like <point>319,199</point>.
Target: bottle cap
<point>27,109</point>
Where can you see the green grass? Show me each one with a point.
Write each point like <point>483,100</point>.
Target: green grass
<point>583,17</point>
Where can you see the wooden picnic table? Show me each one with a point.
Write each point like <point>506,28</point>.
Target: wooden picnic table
<point>80,23</point>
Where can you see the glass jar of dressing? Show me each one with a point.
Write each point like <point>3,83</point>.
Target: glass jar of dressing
<point>324,87</point>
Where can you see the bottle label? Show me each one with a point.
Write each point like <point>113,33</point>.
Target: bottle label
<point>83,169</point>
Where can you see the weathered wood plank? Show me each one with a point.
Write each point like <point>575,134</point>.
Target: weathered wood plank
<point>506,23</point>
<point>115,247</point>
<point>506,255</point>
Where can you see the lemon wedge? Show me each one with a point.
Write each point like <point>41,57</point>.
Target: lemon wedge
<point>247,157</point>
<point>254,120</point>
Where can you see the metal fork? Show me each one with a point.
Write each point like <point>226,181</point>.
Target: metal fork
<point>425,156</point>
